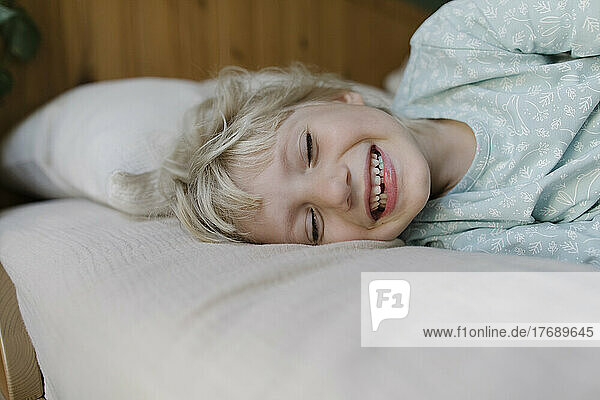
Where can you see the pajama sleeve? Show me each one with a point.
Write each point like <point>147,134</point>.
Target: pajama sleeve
<point>519,26</point>
<point>577,242</point>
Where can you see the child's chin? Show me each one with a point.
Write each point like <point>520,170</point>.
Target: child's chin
<point>389,234</point>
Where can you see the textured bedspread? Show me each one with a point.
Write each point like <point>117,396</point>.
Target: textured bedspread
<point>134,309</point>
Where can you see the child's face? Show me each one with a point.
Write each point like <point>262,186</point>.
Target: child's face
<point>330,198</point>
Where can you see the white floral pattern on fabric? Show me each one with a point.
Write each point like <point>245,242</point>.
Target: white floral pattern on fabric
<point>525,76</point>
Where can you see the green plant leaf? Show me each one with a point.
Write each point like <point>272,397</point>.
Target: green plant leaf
<point>23,37</point>
<point>6,13</point>
<point>6,81</point>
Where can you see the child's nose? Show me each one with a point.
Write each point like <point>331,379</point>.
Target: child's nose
<point>333,188</point>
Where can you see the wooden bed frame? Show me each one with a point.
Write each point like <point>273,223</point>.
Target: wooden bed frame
<point>20,375</point>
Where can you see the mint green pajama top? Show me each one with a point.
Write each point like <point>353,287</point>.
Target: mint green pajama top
<point>525,76</point>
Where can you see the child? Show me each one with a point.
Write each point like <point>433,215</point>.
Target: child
<point>491,144</point>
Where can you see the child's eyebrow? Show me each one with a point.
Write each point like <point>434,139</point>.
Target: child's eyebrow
<point>284,156</point>
<point>290,136</point>
<point>289,226</point>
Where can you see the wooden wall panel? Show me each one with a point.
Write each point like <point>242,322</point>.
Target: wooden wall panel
<point>267,26</point>
<point>76,34</point>
<point>332,35</point>
<point>198,33</point>
<point>300,31</point>
<point>236,39</point>
<point>92,40</point>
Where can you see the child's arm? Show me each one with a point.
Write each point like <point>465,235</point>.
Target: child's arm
<point>577,242</point>
<point>469,41</point>
<point>519,26</point>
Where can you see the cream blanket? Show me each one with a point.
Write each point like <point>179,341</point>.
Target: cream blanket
<point>119,308</point>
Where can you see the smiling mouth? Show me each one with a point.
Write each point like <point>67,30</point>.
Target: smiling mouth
<point>377,195</point>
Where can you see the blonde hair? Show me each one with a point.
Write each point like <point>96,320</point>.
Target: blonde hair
<point>236,129</point>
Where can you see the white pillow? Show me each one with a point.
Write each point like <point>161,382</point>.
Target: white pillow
<point>77,144</point>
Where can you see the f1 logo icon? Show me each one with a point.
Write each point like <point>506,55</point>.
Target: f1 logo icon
<point>389,299</point>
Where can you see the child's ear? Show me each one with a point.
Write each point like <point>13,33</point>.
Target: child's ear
<point>351,98</point>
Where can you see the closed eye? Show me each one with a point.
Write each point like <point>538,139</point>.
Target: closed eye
<point>315,230</point>
<point>309,147</point>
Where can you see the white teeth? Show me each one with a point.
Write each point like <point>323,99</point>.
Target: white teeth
<point>377,199</point>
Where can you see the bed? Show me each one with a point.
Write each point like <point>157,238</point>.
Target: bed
<point>122,308</point>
